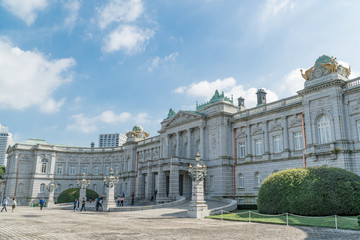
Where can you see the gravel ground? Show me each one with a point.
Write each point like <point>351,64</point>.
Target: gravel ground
<point>165,223</point>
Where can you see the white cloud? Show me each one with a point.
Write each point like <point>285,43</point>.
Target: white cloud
<point>273,8</point>
<point>92,124</point>
<point>25,10</point>
<point>293,82</point>
<point>158,61</point>
<point>130,39</point>
<point>206,90</point>
<point>29,79</point>
<point>73,8</point>
<point>120,11</point>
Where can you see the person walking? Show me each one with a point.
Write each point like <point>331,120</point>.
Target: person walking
<point>5,203</point>
<point>132,199</point>
<point>122,201</point>
<point>13,205</point>
<point>118,201</point>
<point>42,203</point>
<point>83,205</point>
<point>75,204</point>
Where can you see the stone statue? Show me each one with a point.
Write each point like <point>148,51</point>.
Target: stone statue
<point>307,73</point>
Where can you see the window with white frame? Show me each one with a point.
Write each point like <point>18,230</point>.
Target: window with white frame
<point>211,182</point>
<point>72,170</point>
<point>277,144</point>
<point>107,170</point>
<point>42,187</point>
<point>242,149</point>
<point>58,188</point>
<point>96,170</point>
<point>21,188</point>
<point>116,169</point>
<point>324,134</point>
<point>241,180</point>
<point>44,164</point>
<point>240,201</point>
<point>59,169</point>
<point>84,169</point>
<point>259,146</point>
<point>257,180</point>
<point>358,128</point>
<point>298,140</point>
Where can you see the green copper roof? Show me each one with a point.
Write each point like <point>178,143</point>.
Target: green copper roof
<point>34,141</point>
<point>138,128</point>
<point>171,113</point>
<point>216,98</point>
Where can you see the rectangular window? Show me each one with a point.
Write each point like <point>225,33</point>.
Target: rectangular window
<point>298,140</point>
<point>96,170</point>
<point>84,169</point>
<point>240,201</point>
<point>241,181</point>
<point>259,146</point>
<point>59,169</point>
<point>277,144</point>
<point>242,149</point>
<point>107,170</point>
<point>72,170</point>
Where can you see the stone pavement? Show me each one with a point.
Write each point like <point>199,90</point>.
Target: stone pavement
<point>164,223</point>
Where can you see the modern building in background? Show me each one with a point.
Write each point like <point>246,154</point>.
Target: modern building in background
<point>241,147</point>
<point>5,141</point>
<point>111,140</point>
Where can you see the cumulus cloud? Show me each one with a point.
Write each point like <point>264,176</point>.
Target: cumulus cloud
<point>229,86</point>
<point>130,39</point>
<point>293,82</point>
<point>91,124</point>
<point>73,9</point>
<point>28,78</point>
<point>158,61</point>
<point>25,10</point>
<point>273,8</point>
<point>120,11</point>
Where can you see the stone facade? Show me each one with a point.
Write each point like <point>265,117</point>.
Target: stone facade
<point>266,139</point>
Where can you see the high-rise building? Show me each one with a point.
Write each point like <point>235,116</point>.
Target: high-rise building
<point>5,141</point>
<point>111,140</point>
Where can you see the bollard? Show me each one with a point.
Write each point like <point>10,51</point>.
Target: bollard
<point>287,219</point>
<point>336,222</point>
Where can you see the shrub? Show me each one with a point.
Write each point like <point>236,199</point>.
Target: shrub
<point>69,195</point>
<point>315,191</point>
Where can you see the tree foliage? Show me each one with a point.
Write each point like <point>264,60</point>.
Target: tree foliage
<point>69,195</point>
<point>314,191</point>
<point>2,171</point>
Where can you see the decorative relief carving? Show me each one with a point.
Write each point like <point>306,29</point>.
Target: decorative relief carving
<point>213,133</point>
<point>180,118</point>
<point>257,130</point>
<point>356,107</point>
<point>276,126</point>
<point>296,121</point>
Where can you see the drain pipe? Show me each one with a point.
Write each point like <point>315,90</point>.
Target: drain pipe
<point>137,165</point>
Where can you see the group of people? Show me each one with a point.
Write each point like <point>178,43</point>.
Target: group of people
<point>6,202</point>
<point>77,205</point>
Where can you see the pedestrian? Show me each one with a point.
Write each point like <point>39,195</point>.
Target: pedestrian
<point>90,200</point>
<point>83,205</point>
<point>97,204</point>
<point>122,201</point>
<point>75,204</point>
<point>118,201</point>
<point>5,202</point>
<point>123,195</point>
<point>42,203</point>
<point>155,193</point>
<point>152,198</point>
<point>13,205</point>
<point>132,199</point>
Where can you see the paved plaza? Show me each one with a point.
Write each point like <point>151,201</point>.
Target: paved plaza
<point>165,223</point>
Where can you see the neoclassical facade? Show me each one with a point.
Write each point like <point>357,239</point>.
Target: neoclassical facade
<point>240,147</point>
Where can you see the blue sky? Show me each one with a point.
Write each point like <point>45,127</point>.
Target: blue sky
<point>70,70</point>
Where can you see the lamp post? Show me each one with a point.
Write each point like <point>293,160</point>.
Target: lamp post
<point>198,207</point>
<point>110,183</point>
<point>51,188</point>
<point>83,184</point>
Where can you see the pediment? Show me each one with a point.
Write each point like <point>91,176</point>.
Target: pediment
<point>182,117</point>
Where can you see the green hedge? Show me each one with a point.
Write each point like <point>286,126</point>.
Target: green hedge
<point>69,195</point>
<point>318,191</point>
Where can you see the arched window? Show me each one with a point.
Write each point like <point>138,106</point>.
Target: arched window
<point>58,188</point>
<point>42,187</point>
<point>257,180</point>
<point>44,164</point>
<point>324,134</point>
<point>241,180</point>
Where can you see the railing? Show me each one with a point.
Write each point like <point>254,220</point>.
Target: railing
<point>149,140</point>
<point>269,107</point>
<point>69,148</point>
<point>353,83</point>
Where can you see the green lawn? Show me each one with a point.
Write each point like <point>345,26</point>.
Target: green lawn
<point>346,222</point>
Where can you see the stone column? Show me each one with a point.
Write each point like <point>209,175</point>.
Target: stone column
<point>83,184</point>
<point>161,195</point>
<point>188,143</point>
<point>286,135</point>
<point>177,150</point>
<point>197,208</point>
<point>51,188</point>
<point>202,140</point>
<point>174,179</point>
<point>110,183</point>
<point>266,140</point>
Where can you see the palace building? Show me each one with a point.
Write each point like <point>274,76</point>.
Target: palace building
<point>240,147</point>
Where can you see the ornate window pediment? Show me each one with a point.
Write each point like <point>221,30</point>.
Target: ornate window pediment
<point>182,117</point>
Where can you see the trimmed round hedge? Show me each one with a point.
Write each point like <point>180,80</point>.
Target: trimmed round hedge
<point>314,191</point>
<point>69,195</point>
